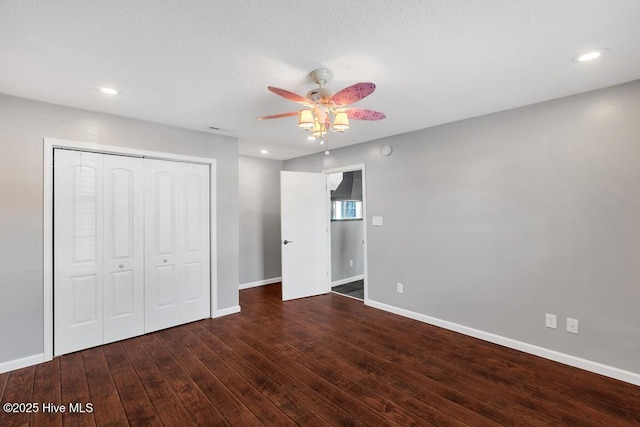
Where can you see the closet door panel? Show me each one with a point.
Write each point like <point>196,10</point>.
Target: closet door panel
<point>78,250</point>
<point>131,247</point>
<point>195,303</point>
<point>124,248</point>
<point>163,192</point>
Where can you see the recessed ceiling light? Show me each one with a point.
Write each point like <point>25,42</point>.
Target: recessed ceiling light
<point>311,138</point>
<point>108,91</point>
<point>264,151</point>
<point>589,56</point>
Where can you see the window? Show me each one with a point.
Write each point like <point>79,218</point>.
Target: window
<point>346,209</point>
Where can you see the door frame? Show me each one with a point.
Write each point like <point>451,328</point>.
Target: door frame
<point>350,168</point>
<point>47,251</point>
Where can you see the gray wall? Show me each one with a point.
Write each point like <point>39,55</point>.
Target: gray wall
<point>23,125</point>
<point>259,219</point>
<point>346,244</point>
<point>494,221</point>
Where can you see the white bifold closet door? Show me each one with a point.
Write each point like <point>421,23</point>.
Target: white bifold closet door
<point>98,249</point>
<point>131,247</point>
<point>177,250</point>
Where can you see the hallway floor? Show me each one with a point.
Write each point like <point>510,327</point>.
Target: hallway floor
<point>353,289</point>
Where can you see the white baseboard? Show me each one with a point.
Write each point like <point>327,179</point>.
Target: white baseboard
<point>587,365</point>
<point>347,280</point>
<point>259,283</point>
<point>12,365</point>
<point>227,311</point>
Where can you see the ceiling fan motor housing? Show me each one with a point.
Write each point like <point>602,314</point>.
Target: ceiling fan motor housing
<point>321,76</point>
<point>320,95</point>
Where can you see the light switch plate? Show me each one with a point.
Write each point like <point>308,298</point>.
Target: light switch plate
<point>551,321</point>
<point>376,220</point>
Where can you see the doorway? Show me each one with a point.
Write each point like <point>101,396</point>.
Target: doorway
<point>347,231</point>
<point>306,233</point>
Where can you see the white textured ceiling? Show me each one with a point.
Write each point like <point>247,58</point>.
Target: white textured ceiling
<point>201,63</point>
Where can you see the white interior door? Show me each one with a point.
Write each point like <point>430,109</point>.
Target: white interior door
<point>123,247</point>
<point>305,250</point>
<point>78,250</point>
<point>177,266</point>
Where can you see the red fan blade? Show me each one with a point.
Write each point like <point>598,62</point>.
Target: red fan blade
<point>353,93</point>
<point>364,114</point>
<point>277,116</point>
<point>289,95</point>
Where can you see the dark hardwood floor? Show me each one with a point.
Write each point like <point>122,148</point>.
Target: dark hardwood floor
<point>326,360</point>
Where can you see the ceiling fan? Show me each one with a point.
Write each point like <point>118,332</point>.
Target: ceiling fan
<point>327,111</point>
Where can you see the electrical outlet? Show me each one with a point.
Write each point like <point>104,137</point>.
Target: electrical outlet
<point>400,288</point>
<point>551,321</point>
<point>572,325</point>
<point>350,263</point>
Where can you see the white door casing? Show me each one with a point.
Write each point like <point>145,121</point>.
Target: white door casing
<point>176,243</point>
<point>304,216</point>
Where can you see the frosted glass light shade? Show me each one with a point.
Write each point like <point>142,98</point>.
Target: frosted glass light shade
<point>306,119</point>
<point>318,130</point>
<point>341,121</point>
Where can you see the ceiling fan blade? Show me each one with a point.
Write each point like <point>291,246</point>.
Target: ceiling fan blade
<point>353,93</point>
<point>277,116</point>
<point>364,114</point>
<point>289,95</point>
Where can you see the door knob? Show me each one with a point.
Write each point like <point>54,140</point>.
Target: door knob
<point>287,241</point>
<point>121,266</point>
<point>164,260</point>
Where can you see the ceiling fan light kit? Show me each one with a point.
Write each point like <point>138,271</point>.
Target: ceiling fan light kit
<point>327,111</point>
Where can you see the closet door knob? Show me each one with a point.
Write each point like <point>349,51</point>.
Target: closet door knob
<point>164,260</point>
<point>121,266</point>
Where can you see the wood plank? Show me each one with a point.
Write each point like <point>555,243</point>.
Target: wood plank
<point>330,388</point>
<point>18,389</point>
<point>256,402</point>
<point>296,382</point>
<point>104,394</point>
<point>3,383</point>
<point>261,380</point>
<point>429,408</point>
<point>200,409</point>
<point>390,367</point>
<point>74,390</point>
<point>135,402</point>
<point>164,401</point>
<point>213,388</point>
<point>47,392</point>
